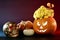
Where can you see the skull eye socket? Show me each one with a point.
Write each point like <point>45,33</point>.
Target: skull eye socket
<point>45,23</point>
<point>38,23</point>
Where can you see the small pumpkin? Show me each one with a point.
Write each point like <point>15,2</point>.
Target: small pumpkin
<point>29,25</point>
<point>45,25</point>
<point>25,25</point>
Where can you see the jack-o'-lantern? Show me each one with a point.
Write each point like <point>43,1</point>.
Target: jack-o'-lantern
<point>44,26</point>
<point>44,23</point>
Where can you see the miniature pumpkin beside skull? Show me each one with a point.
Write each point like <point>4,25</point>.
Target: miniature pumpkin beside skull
<point>26,27</point>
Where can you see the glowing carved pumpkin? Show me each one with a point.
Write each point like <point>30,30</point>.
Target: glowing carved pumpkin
<point>44,22</point>
<point>44,26</point>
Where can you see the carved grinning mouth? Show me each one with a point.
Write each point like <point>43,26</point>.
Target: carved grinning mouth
<point>42,30</point>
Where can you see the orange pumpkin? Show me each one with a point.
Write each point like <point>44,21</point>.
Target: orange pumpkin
<point>29,25</point>
<point>45,25</point>
<point>25,25</point>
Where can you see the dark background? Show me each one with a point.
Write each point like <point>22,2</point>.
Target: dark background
<point>17,10</point>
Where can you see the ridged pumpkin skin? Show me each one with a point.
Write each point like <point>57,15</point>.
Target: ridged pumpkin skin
<point>45,25</point>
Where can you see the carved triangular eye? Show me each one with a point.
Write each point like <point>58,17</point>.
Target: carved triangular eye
<point>38,23</point>
<point>45,23</point>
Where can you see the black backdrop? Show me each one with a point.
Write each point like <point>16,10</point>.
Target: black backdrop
<point>17,10</point>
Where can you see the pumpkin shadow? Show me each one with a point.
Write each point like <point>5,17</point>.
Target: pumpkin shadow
<point>43,35</point>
